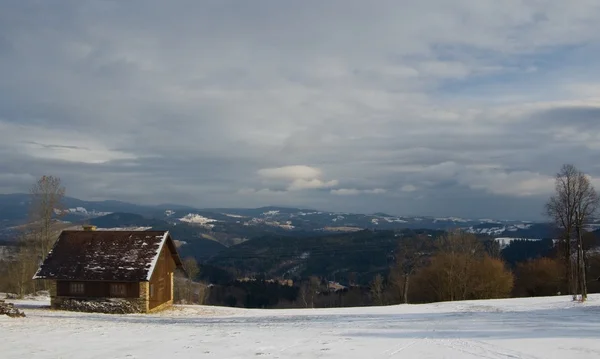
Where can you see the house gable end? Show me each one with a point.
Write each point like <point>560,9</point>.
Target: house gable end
<point>168,244</point>
<point>157,256</point>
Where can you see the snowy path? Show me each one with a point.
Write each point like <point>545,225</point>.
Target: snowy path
<point>496,329</point>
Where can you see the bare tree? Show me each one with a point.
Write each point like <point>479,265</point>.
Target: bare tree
<point>561,209</point>
<point>460,270</point>
<point>575,201</point>
<point>410,255</point>
<point>38,235</point>
<point>587,200</point>
<point>46,204</point>
<point>539,277</point>
<point>377,289</point>
<point>22,269</point>
<point>308,290</point>
<point>190,266</point>
<point>458,250</point>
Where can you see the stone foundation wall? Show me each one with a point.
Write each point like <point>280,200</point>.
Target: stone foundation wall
<point>107,305</point>
<point>99,305</point>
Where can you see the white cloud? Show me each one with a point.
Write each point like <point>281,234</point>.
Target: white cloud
<point>355,192</point>
<point>298,172</point>
<point>519,184</point>
<point>298,177</point>
<point>375,191</point>
<point>408,188</point>
<point>63,144</point>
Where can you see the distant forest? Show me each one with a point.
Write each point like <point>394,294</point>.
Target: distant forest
<point>384,267</point>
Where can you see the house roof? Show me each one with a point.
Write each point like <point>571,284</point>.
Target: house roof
<point>106,255</point>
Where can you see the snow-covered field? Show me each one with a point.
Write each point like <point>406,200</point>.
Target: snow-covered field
<point>516,328</point>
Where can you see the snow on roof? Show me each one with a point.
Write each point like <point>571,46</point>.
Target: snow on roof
<point>156,255</point>
<point>105,255</point>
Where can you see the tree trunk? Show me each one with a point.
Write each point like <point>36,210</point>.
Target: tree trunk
<point>569,267</point>
<point>584,274</point>
<point>189,292</point>
<point>405,289</point>
<point>581,266</point>
<point>577,273</point>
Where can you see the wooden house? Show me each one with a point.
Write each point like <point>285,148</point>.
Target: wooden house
<point>122,271</point>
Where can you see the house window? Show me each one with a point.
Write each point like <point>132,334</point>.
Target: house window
<point>118,290</point>
<point>76,288</point>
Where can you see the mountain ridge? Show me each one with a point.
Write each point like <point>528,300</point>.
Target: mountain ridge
<point>123,206</point>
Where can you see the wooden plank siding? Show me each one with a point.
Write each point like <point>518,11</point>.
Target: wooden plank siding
<point>160,284</point>
<point>161,280</point>
<point>97,289</point>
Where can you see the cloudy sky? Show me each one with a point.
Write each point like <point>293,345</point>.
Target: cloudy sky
<point>436,107</point>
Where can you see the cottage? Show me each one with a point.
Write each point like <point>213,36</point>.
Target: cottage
<point>111,271</point>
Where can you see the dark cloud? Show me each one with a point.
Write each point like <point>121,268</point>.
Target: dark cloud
<point>583,118</point>
<point>56,146</point>
<point>468,110</point>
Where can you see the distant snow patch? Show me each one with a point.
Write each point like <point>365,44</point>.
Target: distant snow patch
<point>505,241</point>
<point>271,213</point>
<point>397,220</point>
<point>450,219</point>
<point>196,219</point>
<point>81,211</point>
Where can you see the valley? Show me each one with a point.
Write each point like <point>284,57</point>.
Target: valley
<point>278,242</point>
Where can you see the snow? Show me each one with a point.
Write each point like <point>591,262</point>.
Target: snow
<point>488,220</point>
<point>271,213</point>
<point>255,221</point>
<point>500,229</point>
<point>505,241</point>
<point>552,327</point>
<point>489,231</point>
<point>82,211</point>
<point>523,226</point>
<point>158,250</point>
<point>397,220</point>
<point>450,219</point>
<point>196,218</point>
